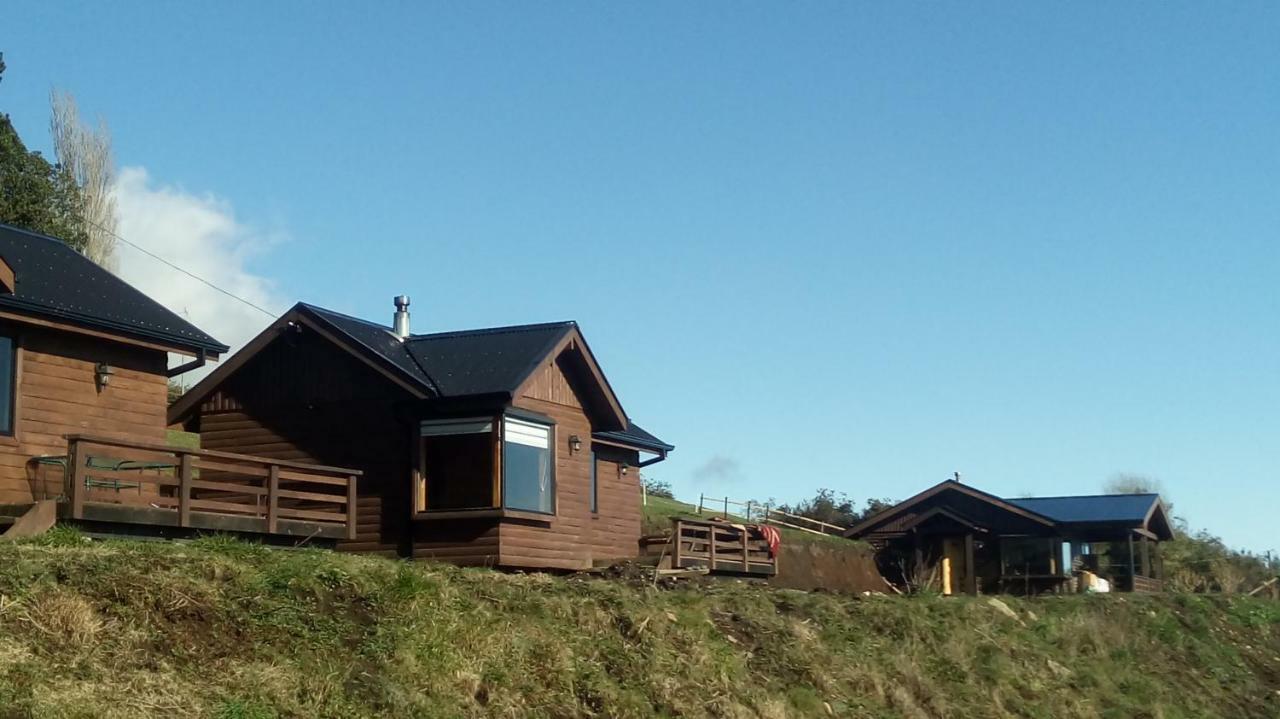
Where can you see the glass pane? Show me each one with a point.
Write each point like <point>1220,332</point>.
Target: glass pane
<point>595,501</point>
<point>527,477</point>
<point>458,470</point>
<point>6,385</point>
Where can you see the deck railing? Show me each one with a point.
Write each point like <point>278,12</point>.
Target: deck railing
<point>720,547</point>
<point>753,511</point>
<point>144,483</point>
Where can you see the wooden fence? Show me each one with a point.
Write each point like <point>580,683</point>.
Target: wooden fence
<point>751,511</point>
<point>720,547</point>
<point>142,483</point>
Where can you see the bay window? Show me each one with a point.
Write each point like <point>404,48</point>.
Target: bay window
<point>485,463</point>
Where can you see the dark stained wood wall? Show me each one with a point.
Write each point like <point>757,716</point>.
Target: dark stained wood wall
<point>615,528</point>
<point>57,394</point>
<point>301,398</point>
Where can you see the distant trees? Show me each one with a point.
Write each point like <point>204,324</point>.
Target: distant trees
<point>827,505</point>
<point>657,488</point>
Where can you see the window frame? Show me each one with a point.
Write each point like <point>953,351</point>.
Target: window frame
<point>549,424</point>
<point>595,483</point>
<point>15,372</point>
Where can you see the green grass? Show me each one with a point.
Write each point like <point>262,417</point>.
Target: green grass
<point>219,628</point>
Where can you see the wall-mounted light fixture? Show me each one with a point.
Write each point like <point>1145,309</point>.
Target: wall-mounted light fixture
<point>102,375</point>
<point>622,469</point>
<point>575,444</point>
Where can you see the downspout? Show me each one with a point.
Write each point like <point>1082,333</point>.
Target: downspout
<point>200,361</point>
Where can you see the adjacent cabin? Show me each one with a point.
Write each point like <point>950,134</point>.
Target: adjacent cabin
<point>496,447</point>
<point>84,370</point>
<point>962,539</point>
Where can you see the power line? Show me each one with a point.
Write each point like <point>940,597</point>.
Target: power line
<point>188,273</point>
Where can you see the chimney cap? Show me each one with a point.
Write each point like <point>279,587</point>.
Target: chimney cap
<point>402,301</point>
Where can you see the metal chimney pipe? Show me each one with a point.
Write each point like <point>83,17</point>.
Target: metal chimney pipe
<point>400,326</point>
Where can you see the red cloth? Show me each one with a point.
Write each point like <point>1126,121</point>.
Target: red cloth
<point>772,536</point>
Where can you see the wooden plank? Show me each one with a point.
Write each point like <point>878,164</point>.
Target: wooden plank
<point>273,499</point>
<point>231,507</point>
<point>240,469</point>
<point>352,517</point>
<point>184,491</point>
<point>313,496</point>
<point>227,487</point>
<point>339,517</point>
<point>75,461</point>
<point>157,447</point>
<point>313,478</point>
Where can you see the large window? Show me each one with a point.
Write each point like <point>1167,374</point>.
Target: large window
<point>8,373</point>
<point>457,465</point>
<point>527,480</point>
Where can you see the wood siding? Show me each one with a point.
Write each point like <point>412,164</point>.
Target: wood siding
<point>575,537</point>
<point>57,394</point>
<point>304,399</point>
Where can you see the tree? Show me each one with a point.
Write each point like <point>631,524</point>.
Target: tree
<point>34,193</point>
<point>84,155</point>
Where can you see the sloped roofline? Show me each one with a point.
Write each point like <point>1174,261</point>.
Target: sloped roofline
<point>878,517</point>
<point>313,317</point>
<point>302,314</point>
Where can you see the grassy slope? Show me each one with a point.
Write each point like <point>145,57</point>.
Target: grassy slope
<point>218,628</point>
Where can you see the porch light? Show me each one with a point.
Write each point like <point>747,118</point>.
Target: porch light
<point>622,469</point>
<point>102,375</point>
<point>575,444</point>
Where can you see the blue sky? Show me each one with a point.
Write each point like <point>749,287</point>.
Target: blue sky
<point>813,245</point>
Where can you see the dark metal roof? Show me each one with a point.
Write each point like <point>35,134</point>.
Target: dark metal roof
<point>57,282</point>
<point>494,360</point>
<point>1099,508</point>
<point>635,436</point>
<point>487,360</point>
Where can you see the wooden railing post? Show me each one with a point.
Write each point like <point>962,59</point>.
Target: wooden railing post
<point>75,478</point>
<point>351,507</point>
<point>675,552</point>
<point>185,465</point>
<point>726,507</point>
<point>746,551</point>
<point>711,535</point>
<point>701,496</point>
<point>273,498</point>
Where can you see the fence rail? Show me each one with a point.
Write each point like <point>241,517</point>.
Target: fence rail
<point>144,483</point>
<point>753,511</point>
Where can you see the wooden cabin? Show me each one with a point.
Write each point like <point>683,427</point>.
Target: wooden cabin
<point>496,447</point>
<point>963,540</point>
<point>84,369</point>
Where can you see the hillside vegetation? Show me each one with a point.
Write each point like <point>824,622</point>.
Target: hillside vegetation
<point>218,628</point>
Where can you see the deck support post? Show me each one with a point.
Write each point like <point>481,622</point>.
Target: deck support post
<point>711,545</point>
<point>273,499</point>
<point>746,551</point>
<point>677,536</point>
<point>1133,574</point>
<point>351,507</point>
<point>184,490</point>
<point>75,479</point>
<point>970,576</point>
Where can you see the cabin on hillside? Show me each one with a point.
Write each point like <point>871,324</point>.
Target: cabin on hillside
<point>84,369</point>
<point>964,540</point>
<point>499,447</point>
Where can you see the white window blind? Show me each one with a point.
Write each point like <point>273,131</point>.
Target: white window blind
<point>526,433</point>
<point>438,427</point>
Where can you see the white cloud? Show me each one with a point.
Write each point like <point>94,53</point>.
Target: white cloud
<point>201,234</point>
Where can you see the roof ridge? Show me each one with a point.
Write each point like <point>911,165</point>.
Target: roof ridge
<point>344,315</point>
<point>492,330</point>
<point>1089,496</point>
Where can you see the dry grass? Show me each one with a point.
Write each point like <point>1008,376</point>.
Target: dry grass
<point>234,631</point>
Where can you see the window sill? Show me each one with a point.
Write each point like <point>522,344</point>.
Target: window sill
<point>487,513</point>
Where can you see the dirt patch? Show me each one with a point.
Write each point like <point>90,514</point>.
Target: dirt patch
<point>836,567</point>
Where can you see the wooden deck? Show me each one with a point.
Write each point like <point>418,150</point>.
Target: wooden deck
<point>136,483</point>
<point>721,547</point>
